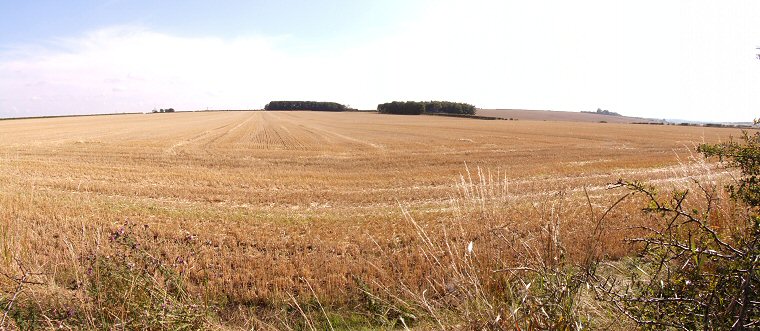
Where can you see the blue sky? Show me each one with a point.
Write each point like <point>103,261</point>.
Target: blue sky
<point>675,59</point>
<point>310,21</point>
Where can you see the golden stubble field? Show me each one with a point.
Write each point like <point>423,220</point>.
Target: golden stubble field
<point>251,207</point>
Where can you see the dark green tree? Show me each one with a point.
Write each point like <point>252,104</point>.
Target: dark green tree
<point>305,105</point>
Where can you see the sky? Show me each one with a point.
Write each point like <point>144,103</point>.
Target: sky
<point>689,59</point>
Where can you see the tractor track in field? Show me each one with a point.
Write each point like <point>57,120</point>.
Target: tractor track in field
<point>327,133</point>
<point>172,150</point>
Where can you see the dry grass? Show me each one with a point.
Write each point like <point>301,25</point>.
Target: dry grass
<point>270,216</point>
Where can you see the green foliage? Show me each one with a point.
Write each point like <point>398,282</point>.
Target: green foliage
<point>305,105</point>
<point>745,157</point>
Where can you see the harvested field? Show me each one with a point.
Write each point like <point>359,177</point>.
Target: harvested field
<point>252,207</point>
<point>299,158</point>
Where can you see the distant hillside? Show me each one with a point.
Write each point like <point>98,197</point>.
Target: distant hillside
<point>568,116</point>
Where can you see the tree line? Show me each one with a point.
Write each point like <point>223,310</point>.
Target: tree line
<point>305,105</point>
<point>168,110</point>
<point>419,107</point>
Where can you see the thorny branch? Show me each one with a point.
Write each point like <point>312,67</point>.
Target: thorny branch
<point>677,251</point>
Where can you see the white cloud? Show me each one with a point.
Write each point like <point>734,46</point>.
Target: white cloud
<point>652,59</point>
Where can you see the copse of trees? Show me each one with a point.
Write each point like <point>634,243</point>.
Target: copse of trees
<point>305,105</point>
<point>401,108</point>
<point>419,107</point>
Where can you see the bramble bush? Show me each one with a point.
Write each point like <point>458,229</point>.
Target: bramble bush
<point>695,271</point>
